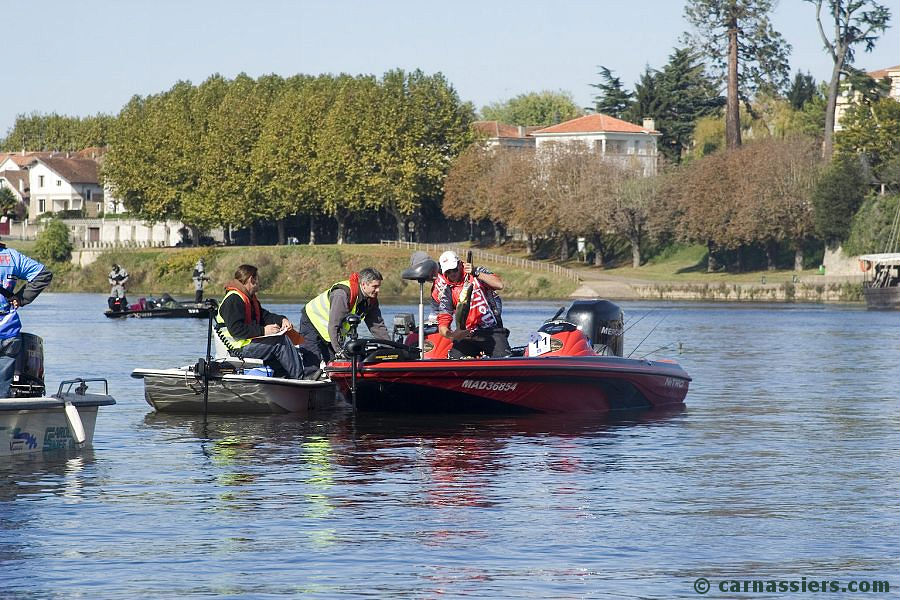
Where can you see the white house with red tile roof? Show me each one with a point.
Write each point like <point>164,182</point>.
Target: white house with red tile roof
<point>613,139</point>
<point>60,183</point>
<point>845,99</point>
<point>500,134</point>
<point>13,161</point>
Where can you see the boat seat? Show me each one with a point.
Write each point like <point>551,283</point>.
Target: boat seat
<point>220,351</point>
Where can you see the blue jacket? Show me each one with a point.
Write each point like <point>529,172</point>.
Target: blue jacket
<point>14,266</point>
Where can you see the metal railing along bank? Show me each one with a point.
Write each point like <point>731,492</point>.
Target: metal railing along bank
<point>434,250</point>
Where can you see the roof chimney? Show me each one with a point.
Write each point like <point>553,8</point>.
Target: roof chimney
<point>649,124</point>
<point>521,131</point>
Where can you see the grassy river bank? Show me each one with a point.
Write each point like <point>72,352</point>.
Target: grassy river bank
<point>300,272</point>
<point>296,272</point>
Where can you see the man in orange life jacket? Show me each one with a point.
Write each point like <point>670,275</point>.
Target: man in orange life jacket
<point>483,331</point>
<point>251,331</point>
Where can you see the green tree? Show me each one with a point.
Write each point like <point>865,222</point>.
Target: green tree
<point>837,197</point>
<point>228,193</point>
<point>686,95</point>
<point>346,150</point>
<point>420,127</point>
<point>743,48</point>
<point>53,132</point>
<point>874,228</point>
<point>285,161</point>
<point>53,244</point>
<point>534,108</point>
<point>613,99</point>
<point>802,90</point>
<point>8,201</point>
<point>853,22</point>
<point>872,129</point>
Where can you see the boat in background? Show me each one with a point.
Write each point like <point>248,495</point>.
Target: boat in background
<point>33,422</point>
<point>165,308</point>
<point>881,287</point>
<point>571,365</point>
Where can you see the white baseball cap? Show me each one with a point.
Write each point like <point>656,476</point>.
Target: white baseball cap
<point>448,260</point>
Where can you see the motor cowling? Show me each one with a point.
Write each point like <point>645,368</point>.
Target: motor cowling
<point>28,377</point>
<point>602,321</point>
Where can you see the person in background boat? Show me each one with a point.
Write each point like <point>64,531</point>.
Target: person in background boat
<point>249,330</point>
<point>199,278</point>
<point>482,330</point>
<point>118,277</point>
<point>321,321</point>
<point>14,266</point>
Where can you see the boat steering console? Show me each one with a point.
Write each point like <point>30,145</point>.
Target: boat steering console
<point>372,350</point>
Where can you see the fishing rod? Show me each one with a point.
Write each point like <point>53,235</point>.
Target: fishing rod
<point>657,350</point>
<point>648,335</point>
<point>646,314</point>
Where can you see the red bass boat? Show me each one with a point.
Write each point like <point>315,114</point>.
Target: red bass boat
<point>571,365</point>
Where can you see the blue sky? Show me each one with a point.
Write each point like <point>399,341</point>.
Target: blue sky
<point>90,56</point>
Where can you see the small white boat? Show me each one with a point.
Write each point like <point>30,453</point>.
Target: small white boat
<point>236,385</point>
<point>62,421</point>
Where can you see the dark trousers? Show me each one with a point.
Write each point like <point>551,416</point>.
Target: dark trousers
<point>198,296</point>
<point>278,348</point>
<point>314,349</point>
<point>490,342</point>
<point>9,351</point>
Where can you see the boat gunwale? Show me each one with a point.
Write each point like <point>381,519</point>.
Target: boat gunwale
<point>177,373</point>
<point>52,402</point>
<point>662,369</point>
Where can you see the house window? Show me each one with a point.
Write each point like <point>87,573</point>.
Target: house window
<point>58,182</point>
<point>40,181</point>
<point>42,205</point>
<point>89,194</point>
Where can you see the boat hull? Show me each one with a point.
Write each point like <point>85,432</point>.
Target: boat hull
<point>882,298</point>
<point>584,384</point>
<point>180,391</point>
<point>40,424</point>
<point>199,311</point>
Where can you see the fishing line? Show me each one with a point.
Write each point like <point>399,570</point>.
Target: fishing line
<point>646,314</point>
<point>648,335</point>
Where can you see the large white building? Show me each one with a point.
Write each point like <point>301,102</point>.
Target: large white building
<point>845,99</point>
<point>613,139</point>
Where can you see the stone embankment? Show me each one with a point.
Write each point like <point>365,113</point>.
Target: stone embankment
<point>802,289</point>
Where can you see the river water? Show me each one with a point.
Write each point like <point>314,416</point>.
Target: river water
<point>783,465</point>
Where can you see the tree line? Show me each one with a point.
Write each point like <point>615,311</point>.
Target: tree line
<point>234,153</point>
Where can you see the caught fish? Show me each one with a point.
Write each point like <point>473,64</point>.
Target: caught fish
<point>462,307</point>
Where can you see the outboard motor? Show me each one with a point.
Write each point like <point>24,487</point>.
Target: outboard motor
<point>117,304</point>
<point>28,378</point>
<point>603,322</point>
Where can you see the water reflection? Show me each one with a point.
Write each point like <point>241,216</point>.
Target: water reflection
<point>58,473</point>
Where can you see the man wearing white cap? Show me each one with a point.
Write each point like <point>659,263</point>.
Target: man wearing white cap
<point>480,328</point>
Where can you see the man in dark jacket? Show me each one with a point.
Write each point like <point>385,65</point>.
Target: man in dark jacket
<point>249,330</point>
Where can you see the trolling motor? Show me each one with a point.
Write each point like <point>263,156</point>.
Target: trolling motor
<point>353,348</point>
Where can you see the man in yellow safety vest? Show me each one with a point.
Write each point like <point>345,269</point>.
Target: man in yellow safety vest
<point>321,321</point>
